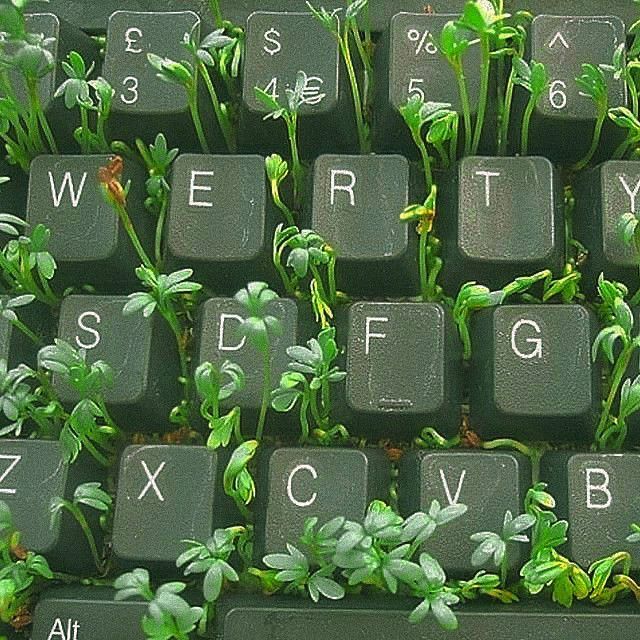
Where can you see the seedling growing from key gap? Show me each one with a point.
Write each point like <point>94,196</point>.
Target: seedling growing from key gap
<point>259,327</point>
<point>429,263</point>
<point>533,77</point>
<point>443,127</point>
<point>89,494</point>
<point>23,574</point>
<point>611,431</point>
<point>76,90</point>
<point>308,382</point>
<point>547,568</point>
<point>158,159</point>
<point>289,113</point>
<point>593,85</point>
<point>277,171</point>
<point>216,383</point>
<point>23,127</point>
<point>89,425</point>
<point>169,615</point>
<point>343,33</point>
<point>237,480</point>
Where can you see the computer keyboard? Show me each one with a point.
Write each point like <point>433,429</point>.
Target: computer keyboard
<point>319,323</point>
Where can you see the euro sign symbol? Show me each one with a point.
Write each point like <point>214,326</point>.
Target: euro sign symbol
<point>272,46</point>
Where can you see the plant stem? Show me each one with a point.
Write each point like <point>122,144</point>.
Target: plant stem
<point>318,278</point>
<point>453,144</point>
<point>195,116</point>
<point>223,120</point>
<point>286,281</point>
<point>297,170</point>
<point>160,228</point>
<point>485,47</point>
<point>465,104</point>
<point>619,371</point>
<point>526,121</point>
<point>266,390</point>
<point>76,512</point>
<point>214,5</point>
<point>84,125</point>
<point>426,160</point>
<point>595,140</point>
<point>277,200</point>
<point>36,104</point>
<point>444,156</point>
<point>504,570</point>
<point>355,92</point>
<point>503,134</point>
<point>123,214</point>
<point>422,263</point>
<point>304,421</point>
<point>169,314</point>
<point>331,278</point>
<point>21,326</point>
<point>621,149</point>
<point>100,130</point>
<point>364,50</point>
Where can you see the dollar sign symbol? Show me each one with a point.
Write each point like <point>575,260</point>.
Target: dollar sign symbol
<point>273,45</point>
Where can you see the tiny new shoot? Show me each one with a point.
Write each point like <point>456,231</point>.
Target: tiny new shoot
<point>308,382</point>
<point>89,494</point>
<point>533,77</point>
<point>343,34</point>
<point>277,171</point>
<point>259,327</point>
<point>295,99</point>
<point>237,480</point>
<point>623,118</point>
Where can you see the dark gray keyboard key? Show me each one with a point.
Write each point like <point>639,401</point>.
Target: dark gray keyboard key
<point>217,339</point>
<point>220,220</point>
<point>278,46</point>
<point>598,494</point>
<point>87,239</point>
<point>157,507</point>
<point>403,363</point>
<point>409,65</point>
<point>32,473</point>
<point>627,12</point>
<point>602,196</point>
<point>563,120</point>
<point>143,103</point>
<point>381,619</point>
<point>356,206</point>
<point>531,373</point>
<point>75,613</point>
<point>325,483</point>
<point>465,477</point>
<point>140,351</point>
<point>506,220</point>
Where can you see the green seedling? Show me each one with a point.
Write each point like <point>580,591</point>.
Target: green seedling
<point>533,77</point>
<point>207,56</point>
<point>89,425</point>
<point>593,85</point>
<point>443,126</point>
<point>547,568</point>
<point>343,33</point>
<point>158,159</point>
<point>308,382</point>
<point>481,19</point>
<point>306,255</point>
<point>259,328</point>
<point>27,266</point>
<point>23,574</point>
<point>629,232</point>
<point>494,546</point>
<point>89,494</point>
<point>429,263</point>
<point>603,570</point>
<point>277,171</point>
<point>611,432</point>
<point>169,615</point>
<point>237,480</point>
<point>8,312</point>
<point>625,119</point>
<point>76,90</point>
<point>216,383</point>
<point>289,113</point>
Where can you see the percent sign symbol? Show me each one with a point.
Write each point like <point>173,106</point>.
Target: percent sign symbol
<point>422,41</point>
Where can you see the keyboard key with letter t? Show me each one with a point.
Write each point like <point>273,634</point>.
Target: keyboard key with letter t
<point>531,373</point>
<point>298,484</point>
<point>279,46</point>
<point>564,117</point>
<point>403,367</point>
<point>140,351</point>
<point>376,251</point>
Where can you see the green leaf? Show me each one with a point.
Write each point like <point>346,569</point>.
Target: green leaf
<point>91,494</point>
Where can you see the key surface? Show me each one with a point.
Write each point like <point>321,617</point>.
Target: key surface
<point>356,205</point>
<point>315,482</point>
<point>75,613</point>
<point>217,340</point>
<point>602,196</point>
<point>220,220</point>
<point>465,477</point>
<point>157,507</point>
<point>506,220</point>
<point>141,352</point>
<point>87,239</point>
<point>563,120</point>
<point>380,619</point>
<point>531,372</point>
<point>403,364</point>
